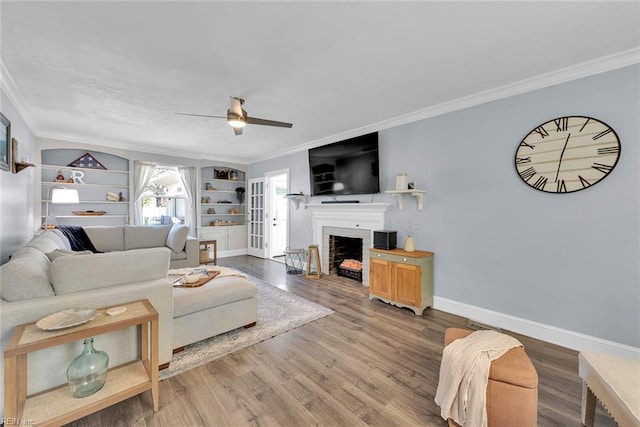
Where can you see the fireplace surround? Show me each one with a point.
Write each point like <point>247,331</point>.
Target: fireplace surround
<point>355,220</point>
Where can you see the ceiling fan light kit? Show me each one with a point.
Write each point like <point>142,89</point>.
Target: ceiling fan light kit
<point>236,121</point>
<point>238,118</point>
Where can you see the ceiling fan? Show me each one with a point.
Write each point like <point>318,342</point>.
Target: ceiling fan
<point>238,118</point>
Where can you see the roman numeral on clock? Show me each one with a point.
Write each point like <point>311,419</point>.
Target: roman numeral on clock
<point>605,169</point>
<point>601,134</point>
<point>608,150</point>
<point>584,182</point>
<point>540,183</point>
<point>562,124</point>
<point>541,131</point>
<point>562,188</point>
<point>527,173</point>
<point>523,160</point>
<point>524,144</point>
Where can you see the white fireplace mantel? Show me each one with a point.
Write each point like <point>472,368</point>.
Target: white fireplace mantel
<point>358,216</point>
<point>366,216</point>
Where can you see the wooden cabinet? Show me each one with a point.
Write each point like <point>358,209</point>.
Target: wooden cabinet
<point>56,407</point>
<point>404,279</point>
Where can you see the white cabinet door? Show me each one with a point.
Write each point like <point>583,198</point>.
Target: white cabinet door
<point>236,237</point>
<point>217,233</point>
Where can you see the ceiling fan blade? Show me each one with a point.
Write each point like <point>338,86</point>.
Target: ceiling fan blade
<point>265,122</point>
<point>199,115</point>
<point>237,131</point>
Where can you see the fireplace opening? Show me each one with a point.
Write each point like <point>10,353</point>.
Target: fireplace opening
<point>345,257</point>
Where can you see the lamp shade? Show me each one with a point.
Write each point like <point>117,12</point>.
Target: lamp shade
<point>64,196</point>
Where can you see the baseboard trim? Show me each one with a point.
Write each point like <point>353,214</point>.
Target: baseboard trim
<point>563,337</point>
<point>232,252</point>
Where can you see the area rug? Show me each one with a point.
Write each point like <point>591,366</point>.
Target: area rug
<point>278,312</point>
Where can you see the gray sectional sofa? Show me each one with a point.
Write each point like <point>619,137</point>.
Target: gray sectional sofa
<point>184,248</point>
<point>45,276</point>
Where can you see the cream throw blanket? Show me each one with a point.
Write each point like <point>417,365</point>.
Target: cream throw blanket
<point>464,374</point>
<point>224,271</point>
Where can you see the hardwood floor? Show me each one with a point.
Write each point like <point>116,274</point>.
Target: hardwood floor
<point>369,363</point>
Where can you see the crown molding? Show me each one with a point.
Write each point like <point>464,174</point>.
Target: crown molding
<point>563,75</point>
<point>13,93</point>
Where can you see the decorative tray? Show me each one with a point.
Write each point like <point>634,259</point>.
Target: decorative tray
<point>89,213</point>
<point>67,318</point>
<point>180,283</point>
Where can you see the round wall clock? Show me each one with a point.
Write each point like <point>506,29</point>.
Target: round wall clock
<point>567,154</point>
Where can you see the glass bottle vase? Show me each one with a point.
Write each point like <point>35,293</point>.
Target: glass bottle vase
<point>88,372</point>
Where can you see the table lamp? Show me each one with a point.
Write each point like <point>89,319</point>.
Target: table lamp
<point>59,196</point>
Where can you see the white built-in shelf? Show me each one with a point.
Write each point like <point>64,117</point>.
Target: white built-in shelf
<point>298,198</point>
<point>75,184</point>
<point>56,167</point>
<point>418,194</point>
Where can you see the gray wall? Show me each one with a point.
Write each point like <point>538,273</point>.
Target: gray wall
<point>570,261</point>
<point>17,191</point>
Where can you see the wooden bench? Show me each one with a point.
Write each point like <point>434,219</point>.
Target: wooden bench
<point>615,382</point>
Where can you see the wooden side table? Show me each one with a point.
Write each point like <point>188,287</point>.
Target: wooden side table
<point>56,406</point>
<point>205,258</point>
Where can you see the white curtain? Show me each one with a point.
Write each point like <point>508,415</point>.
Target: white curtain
<point>190,180</point>
<point>141,178</point>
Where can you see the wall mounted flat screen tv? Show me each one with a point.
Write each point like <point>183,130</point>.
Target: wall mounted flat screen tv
<point>345,167</point>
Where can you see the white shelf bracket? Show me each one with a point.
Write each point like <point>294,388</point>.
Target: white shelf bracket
<point>418,194</point>
<point>298,198</point>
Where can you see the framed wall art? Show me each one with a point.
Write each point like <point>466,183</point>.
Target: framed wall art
<point>5,143</point>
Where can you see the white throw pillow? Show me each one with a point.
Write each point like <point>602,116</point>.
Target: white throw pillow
<point>177,238</point>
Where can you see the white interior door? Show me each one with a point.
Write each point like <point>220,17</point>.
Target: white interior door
<point>256,218</point>
<point>277,223</point>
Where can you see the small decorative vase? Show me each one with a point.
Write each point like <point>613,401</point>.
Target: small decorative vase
<point>409,245</point>
<point>88,372</point>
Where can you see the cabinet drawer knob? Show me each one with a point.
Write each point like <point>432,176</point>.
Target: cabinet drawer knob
<point>404,259</point>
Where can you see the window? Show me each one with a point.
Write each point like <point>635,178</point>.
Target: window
<point>164,199</point>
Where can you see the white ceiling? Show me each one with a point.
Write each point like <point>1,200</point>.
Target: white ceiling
<point>114,73</point>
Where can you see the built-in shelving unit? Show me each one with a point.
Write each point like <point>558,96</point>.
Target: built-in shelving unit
<point>418,194</point>
<point>222,208</point>
<point>92,187</point>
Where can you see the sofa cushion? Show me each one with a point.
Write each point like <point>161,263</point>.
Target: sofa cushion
<point>65,252</point>
<point>216,292</point>
<point>71,274</point>
<point>177,237</point>
<point>106,238</point>
<point>145,236</point>
<point>46,242</point>
<point>63,239</point>
<point>26,276</point>
<point>178,255</point>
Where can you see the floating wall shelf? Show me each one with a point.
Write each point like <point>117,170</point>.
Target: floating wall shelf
<point>18,166</point>
<point>418,194</point>
<point>298,198</point>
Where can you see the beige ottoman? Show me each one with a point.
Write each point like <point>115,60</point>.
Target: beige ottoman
<point>220,305</point>
<point>615,382</point>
